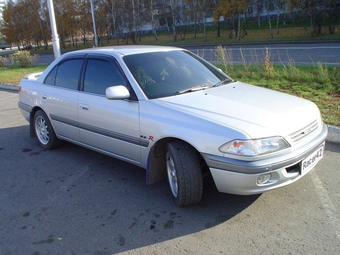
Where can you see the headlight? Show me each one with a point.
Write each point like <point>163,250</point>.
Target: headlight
<point>255,147</point>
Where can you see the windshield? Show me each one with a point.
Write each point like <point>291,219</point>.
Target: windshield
<point>162,74</point>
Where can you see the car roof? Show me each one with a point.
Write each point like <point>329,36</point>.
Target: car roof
<point>126,49</point>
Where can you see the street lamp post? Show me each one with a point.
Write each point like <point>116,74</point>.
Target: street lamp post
<point>94,25</point>
<point>55,37</point>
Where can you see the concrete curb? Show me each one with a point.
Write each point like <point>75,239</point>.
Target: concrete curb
<point>333,134</point>
<point>9,87</point>
<point>333,131</point>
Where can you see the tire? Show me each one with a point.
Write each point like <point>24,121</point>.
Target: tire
<point>184,173</point>
<point>44,131</point>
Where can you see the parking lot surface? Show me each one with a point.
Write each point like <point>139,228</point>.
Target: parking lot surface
<point>75,201</point>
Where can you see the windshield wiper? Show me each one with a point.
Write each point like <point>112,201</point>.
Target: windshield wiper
<point>225,81</point>
<point>193,89</point>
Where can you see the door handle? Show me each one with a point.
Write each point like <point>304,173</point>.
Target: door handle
<point>43,96</point>
<point>84,107</point>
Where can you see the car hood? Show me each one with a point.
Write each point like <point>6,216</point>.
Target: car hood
<point>255,111</point>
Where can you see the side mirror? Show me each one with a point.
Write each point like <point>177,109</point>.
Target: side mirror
<point>117,92</point>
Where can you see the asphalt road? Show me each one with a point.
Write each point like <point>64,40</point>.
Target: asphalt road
<point>75,201</point>
<point>297,53</point>
<point>289,53</point>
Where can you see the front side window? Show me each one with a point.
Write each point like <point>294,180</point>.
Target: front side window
<point>101,74</point>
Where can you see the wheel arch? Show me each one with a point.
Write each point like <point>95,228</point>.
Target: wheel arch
<point>156,166</point>
<point>31,120</point>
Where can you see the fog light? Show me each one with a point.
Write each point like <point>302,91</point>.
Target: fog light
<point>262,179</point>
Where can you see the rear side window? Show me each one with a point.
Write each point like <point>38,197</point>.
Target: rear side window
<point>66,74</point>
<point>101,74</point>
<point>50,79</point>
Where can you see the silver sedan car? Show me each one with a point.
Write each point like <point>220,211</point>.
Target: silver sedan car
<point>175,115</point>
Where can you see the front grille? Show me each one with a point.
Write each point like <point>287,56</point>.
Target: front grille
<point>304,132</point>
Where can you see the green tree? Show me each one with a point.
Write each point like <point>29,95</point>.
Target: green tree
<point>311,9</point>
<point>332,13</point>
<point>201,8</point>
<point>259,8</point>
<point>268,7</point>
<point>83,19</point>
<point>37,26</point>
<point>44,24</point>
<point>25,22</point>
<point>153,21</point>
<point>9,23</point>
<point>174,4</point>
<point>233,10</point>
<point>115,9</point>
<point>102,21</point>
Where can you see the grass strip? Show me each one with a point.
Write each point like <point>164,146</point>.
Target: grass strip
<point>13,75</point>
<point>320,84</point>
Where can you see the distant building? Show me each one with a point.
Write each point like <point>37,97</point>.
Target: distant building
<point>260,10</point>
<point>2,6</point>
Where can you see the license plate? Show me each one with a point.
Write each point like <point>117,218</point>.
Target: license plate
<point>310,162</point>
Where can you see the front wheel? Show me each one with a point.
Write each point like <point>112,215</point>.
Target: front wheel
<point>184,173</point>
<point>44,131</point>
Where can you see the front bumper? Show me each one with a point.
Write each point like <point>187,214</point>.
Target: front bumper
<point>241,177</point>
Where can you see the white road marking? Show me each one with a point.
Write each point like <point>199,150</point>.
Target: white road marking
<point>326,202</point>
<point>8,97</point>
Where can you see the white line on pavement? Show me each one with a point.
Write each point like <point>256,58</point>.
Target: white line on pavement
<point>327,203</point>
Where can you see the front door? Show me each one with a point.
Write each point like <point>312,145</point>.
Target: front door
<point>110,126</point>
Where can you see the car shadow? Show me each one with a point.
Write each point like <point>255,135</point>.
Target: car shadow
<point>75,199</point>
<point>333,147</point>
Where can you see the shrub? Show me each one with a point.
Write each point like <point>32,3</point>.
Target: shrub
<point>1,62</point>
<point>292,73</point>
<point>268,66</point>
<point>224,57</point>
<point>323,73</point>
<point>21,59</point>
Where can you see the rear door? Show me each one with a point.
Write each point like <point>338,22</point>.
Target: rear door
<point>59,97</point>
<point>110,126</point>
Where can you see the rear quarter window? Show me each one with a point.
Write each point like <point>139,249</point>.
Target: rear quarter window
<point>50,79</point>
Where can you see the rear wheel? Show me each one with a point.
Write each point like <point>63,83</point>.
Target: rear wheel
<point>184,173</point>
<point>44,131</point>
